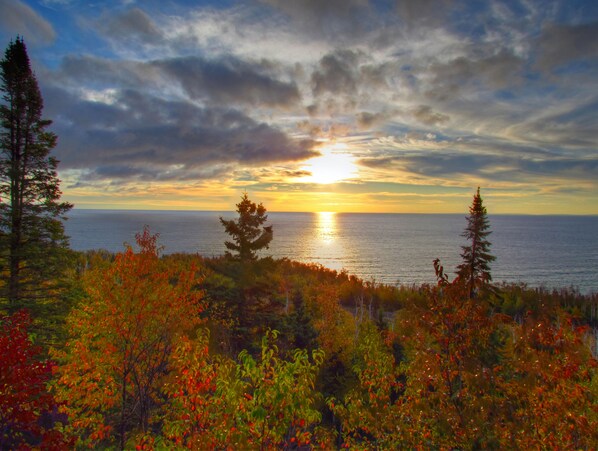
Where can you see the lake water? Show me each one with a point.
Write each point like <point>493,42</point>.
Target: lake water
<point>551,251</point>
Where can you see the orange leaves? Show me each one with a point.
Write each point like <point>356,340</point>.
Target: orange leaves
<point>554,386</point>
<point>335,326</point>
<point>122,339</point>
<point>452,374</point>
<point>190,387</point>
<point>479,379</point>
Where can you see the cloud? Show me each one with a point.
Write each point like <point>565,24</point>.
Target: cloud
<point>131,24</point>
<point>310,128</point>
<point>224,81</point>
<point>418,12</point>
<point>98,73</point>
<point>427,116</point>
<point>118,174</point>
<point>337,20</point>
<point>338,85</point>
<point>365,119</point>
<point>242,30</point>
<point>368,120</point>
<point>562,44</point>
<point>161,139</point>
<point>495,162</point>
<point>52,3</point>
<point>575,125</point>
<point>496,71</point>
<point>18,18</point>
<point>336,73</point>
<point>451,165</point>
<point>273,175</point>
<point>229,80</point>
<point>295,173</point>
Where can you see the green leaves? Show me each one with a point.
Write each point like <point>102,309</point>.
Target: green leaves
<point>263,403</point>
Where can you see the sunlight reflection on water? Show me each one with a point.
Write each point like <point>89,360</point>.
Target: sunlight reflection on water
<point>390,248</point>
<point>327,246</point>
<point>326,227</point>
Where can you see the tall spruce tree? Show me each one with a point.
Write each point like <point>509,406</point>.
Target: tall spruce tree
<point>247,232</point>
<point>475,268</point>
<point>32,240</point>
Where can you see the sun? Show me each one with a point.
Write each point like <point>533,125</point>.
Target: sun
<point>334,165</point>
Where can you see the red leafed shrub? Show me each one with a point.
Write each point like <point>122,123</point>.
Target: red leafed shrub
<point>27,410</point>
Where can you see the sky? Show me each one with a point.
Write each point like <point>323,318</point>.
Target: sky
<point>402,106</point>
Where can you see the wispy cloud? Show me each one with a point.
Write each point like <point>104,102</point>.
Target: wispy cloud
<point>446,95</point>
<point>17,17</point>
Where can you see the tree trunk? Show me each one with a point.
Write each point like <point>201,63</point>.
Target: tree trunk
<point>16,219</point>
<point>15,264</point>
<point>122,412</point>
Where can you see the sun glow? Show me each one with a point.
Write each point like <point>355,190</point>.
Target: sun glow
<point>334,165</point>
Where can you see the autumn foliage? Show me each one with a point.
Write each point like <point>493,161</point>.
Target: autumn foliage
<point>471,378</point>
<point>255,403</point>
<point>551,384</point>
<point>121,343</point>
<point>27,409</point>
<point>148,364</point>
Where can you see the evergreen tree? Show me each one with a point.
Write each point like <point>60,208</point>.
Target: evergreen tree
<point>300,322</point>
<point>475,269</point>
<point>32,240</point>
<point>247,232</point>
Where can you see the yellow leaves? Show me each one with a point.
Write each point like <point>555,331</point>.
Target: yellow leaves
<point>122,337</point>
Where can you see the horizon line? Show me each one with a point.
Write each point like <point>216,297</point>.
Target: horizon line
<point>317,212</point>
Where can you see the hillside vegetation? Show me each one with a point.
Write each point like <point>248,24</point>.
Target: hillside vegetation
<point>180,351</point>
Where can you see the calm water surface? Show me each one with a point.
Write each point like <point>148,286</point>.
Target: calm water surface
<point>552,251</point>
